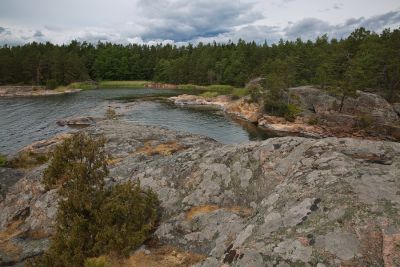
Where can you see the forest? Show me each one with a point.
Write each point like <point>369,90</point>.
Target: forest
<point>363,61</point>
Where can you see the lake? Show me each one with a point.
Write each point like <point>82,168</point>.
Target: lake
<point>28,119</point>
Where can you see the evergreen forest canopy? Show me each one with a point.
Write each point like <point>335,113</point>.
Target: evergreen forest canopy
<point>365,60</point>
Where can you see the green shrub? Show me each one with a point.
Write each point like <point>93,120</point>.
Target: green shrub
<point>127,216</point>
<point>78,156</point>
<point>291,112</point>
<point>210,94</point>
<point>93,220</point>
<point>51,84</point>
<point>3,160</point>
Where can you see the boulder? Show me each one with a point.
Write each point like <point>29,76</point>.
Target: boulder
<point>372,105</point>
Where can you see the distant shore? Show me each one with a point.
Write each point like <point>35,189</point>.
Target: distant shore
<point>23,91</point>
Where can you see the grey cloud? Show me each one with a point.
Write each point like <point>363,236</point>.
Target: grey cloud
<point>310,28</point>
<point>38,34</point>
<point>2,30</point>
<point>181,20</point>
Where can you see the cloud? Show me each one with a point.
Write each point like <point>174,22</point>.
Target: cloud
<point>310,28</point>
<point>38,34</point>
<point>182,20</point>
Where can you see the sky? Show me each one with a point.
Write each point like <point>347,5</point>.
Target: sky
<point>189,21</point>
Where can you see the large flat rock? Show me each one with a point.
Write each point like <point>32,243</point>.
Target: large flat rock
<point>280,202</point>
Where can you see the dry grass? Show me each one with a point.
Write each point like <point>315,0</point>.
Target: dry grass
<point>10,232</point>
<point>164,149</point>
<point>164,256</point>
<point>28,160</point>
<point>199,210</point>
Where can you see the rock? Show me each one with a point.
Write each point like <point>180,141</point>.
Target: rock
<point>78,121</point>
<point>241,108</point>
<point>20,91</point>
<point>8,177</point>
<point>373,105</point>
<point>362,105</point>
<point>279,202</point>
<point>396,107</point>
<point>244,109</point>
<point>341,244</point>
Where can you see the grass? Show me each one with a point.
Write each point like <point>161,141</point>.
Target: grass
<point>122,84</point>
<point>82,85</point>
<point>207,91</point>
<point>3,160</point>
<point>210,94</point>
<point>239,92</point>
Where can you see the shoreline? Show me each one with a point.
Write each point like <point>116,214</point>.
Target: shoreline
<point>28,91</point>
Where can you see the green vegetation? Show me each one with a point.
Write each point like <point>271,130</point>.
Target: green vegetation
<point>122,84</point>
<point>92,219</point>
<point>51,84</point>
<point>210,94</point>
<point>82,85</point>
<point>364,60</point>
<point>3,160</point>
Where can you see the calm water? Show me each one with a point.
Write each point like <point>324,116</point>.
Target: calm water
<point>25,120</point>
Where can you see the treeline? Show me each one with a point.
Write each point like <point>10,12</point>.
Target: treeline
<point>365,60</point>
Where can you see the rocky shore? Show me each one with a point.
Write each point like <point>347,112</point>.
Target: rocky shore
<point>21,91</point>
<point>366,115</point>
<point>288,201</point>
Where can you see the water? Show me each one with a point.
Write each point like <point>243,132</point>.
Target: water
<point>26,120</point>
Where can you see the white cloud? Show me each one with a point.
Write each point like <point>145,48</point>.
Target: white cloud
<point>182,21</point>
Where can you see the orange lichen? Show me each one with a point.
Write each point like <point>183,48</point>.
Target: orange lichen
<point>199,210</point>
<point>164,149</point>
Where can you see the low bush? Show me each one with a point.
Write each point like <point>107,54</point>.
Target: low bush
<point>291,112</point>
<point>93,220</point>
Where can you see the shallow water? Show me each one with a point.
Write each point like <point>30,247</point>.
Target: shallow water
<point>29,119</point>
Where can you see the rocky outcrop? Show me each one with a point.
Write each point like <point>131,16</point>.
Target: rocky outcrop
<point>19,91</point>
<point>362,105</point>
<point>241,108</point>
<point>281,202</point>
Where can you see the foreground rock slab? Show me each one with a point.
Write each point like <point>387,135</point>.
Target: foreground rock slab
<point>281,202</point>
